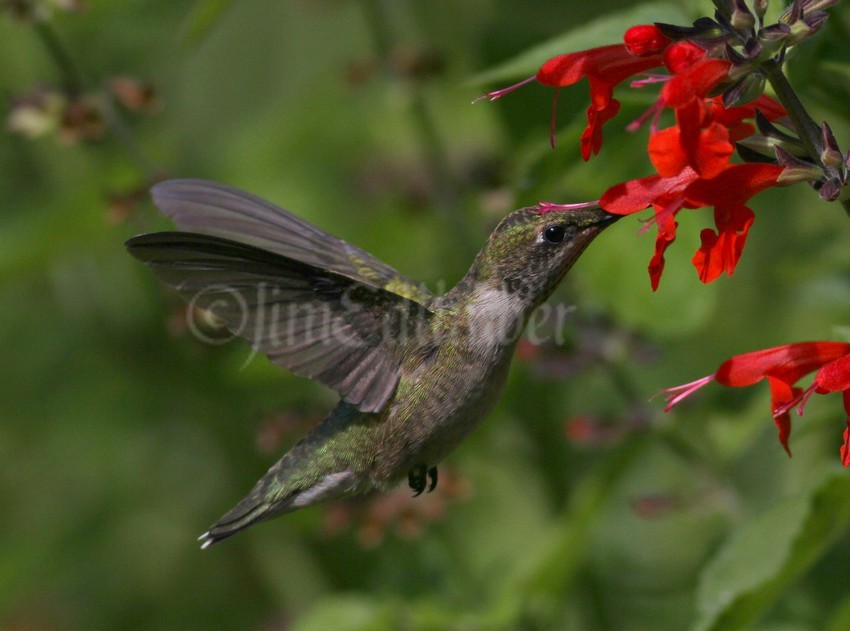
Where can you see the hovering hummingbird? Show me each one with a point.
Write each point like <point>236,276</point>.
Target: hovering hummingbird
<point>415,372</point>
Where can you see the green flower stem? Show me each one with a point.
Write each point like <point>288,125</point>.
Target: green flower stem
<point>807,129</point>
<point>73,78</point>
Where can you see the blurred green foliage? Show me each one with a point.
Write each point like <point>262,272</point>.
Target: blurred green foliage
<point>578,505</point>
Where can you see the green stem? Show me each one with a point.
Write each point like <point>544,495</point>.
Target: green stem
<point>63,60</point>
<point>808,130</point>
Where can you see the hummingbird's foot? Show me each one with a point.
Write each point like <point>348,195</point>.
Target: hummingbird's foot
<point>418,479</point>
<point>432,473</point>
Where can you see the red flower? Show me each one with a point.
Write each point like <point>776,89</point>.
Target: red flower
<point>692,160</point>
<point>783,366</point>
<point>605,68</point>
<point>728,192</point>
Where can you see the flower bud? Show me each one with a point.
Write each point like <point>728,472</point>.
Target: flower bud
<point>830,154</point>
<point>775,32</point>
<point>741,18</point>
<point>796,169</point>
<point>681,55</point>
<point>830,190</point>
<point>745,90</point>
<point>645,39</point>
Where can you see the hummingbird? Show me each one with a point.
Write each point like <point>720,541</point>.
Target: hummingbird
<point>415,372</point>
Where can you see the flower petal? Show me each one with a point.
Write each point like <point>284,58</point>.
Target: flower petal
<point>780,394</point>
<point>665,152</point>
<point>666,236</point>
<point>635,195</point>
<point>734,185</point>
<point>721,252</point>
<point>695,82</point>
<point>713,151</point>
<point>591,138</point>
<point>834,376</point>
<point>787,363</point>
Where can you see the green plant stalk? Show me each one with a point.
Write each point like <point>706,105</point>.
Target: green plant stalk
<point>808,130</point>
<point>73,78</point>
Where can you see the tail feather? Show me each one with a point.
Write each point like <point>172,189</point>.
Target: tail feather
<point>332,461</point>
<point>260,504</point>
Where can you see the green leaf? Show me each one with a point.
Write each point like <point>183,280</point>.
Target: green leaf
<point>607,29</point>
<point>835,69</point>
<point>769,552</point>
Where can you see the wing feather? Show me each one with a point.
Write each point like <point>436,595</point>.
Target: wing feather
<point>320,324</point>
<point>215,209</point>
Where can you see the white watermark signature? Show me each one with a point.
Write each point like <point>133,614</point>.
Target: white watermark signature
<point>296,321</point>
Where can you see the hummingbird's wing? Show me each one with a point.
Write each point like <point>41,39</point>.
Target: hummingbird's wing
<point>222,211</point>
<point>342,332</point>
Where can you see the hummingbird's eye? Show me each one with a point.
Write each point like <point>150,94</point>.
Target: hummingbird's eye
<point>554,234</point>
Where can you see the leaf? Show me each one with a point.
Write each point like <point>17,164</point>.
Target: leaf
<point>608,29</point>
<point>202,18</point>
<point>835,69</point>
<point>769,552</point>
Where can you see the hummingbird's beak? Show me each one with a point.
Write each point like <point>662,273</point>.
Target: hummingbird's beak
<point>594,220</point>
<point>603,218</point>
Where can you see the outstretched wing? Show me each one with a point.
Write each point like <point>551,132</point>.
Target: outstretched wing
<point>221,211</point>
<point>340,331</point>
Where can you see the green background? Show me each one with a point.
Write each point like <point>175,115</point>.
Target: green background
<point>123,437</point>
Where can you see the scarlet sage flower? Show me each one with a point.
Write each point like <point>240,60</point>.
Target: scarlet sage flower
<point>783,366</point>
<point>605,68</point>
<point>692,161</point>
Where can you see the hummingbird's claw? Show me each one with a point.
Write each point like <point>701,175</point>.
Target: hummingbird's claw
<point>418,479</point>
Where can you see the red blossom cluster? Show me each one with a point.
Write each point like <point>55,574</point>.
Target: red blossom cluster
<point>691,157</point>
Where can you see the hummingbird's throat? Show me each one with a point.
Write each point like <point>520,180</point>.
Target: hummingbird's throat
<point>495,318</point>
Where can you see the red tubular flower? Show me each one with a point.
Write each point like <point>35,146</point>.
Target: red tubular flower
<point>783,366</point>
<point>605,68</point>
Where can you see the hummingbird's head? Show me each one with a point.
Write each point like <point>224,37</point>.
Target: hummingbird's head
<point>531,250</point>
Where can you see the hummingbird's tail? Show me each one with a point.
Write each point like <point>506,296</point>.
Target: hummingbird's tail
<point>262,503</point>
<point>331,462</point>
